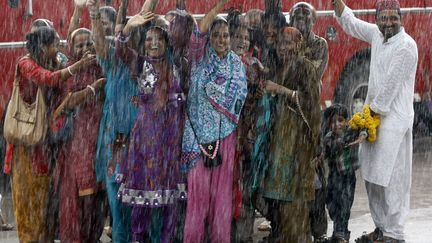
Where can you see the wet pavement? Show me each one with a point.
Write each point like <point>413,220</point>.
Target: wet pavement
<point>418,226</point>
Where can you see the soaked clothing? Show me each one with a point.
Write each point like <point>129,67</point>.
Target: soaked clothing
<point>217,92</point>
<point>243,227</point>
<point>284,175</point>
<point>151,176</point>
<point>315,49</point>
<point>30,197</point>
<point>386,163</point>
<point>290,174</point>
<point>342,162</point>
<point>210,198</point>
<point>76,175</point>
<point>30,167</point>
<point>118,117</point>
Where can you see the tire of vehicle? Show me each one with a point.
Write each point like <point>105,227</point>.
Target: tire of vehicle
<point>352,86</point>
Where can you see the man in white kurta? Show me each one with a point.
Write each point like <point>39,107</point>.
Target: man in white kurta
<point>386,163</point>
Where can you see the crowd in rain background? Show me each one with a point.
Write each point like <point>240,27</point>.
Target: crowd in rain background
<point>181,130</point>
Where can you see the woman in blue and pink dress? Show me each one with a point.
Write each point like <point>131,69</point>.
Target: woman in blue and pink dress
<point>217,92</point>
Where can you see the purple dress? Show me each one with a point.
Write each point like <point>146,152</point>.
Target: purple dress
<point>151,175</point>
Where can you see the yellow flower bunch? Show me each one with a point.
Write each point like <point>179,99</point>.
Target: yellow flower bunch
<point>364,119</point>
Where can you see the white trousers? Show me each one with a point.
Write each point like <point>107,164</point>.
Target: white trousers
<point>389,206</point>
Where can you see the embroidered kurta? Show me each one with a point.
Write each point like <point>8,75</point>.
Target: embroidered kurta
<point>390,93</point>
<point>296,127</point>
<point>216,96</point>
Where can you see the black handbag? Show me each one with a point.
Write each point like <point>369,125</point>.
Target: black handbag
<point>210,149</point>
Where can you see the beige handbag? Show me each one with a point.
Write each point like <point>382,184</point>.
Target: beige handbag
<point>25,124</point>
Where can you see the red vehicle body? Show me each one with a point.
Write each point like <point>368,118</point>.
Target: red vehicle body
<point>345,79</point>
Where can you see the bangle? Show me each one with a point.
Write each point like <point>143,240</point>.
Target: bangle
<point>92,89</point>
<point>293,94</point>
<point>70,72</point>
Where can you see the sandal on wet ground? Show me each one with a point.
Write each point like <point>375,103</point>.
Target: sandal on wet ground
<point>6,227</point>
<point>375,236</point>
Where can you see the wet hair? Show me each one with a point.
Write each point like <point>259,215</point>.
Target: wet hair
<point>234,21</point>
<point>336,109</point>
<point>304,4</point>
<point>42,36</point>
<point>274,17</point>
<point>330,112</point>
<point>254,13</point>
<point>110,12</point>
<point>218,21</point>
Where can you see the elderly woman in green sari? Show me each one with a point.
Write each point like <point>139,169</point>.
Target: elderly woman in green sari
<point>290,126</point>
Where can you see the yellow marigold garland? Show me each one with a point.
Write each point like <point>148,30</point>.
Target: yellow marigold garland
<point>364,119</point>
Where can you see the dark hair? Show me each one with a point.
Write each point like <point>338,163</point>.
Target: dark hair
<point>336,109</point>
<point>233,20</point>
<point>110,13</point>
<point>38,38</point>
<point>276,17</point>
<point>41,23</point>
<point>329,113</point>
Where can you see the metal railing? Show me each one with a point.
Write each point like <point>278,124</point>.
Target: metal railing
<point>324,13</point>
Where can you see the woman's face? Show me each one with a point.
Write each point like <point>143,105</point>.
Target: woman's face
<point>107,25</point>
<point>270,32</point>
<point>155,44</point>
<point>240,42</point>
<point>82,43</point>
<point>220,39</point>
<point>287,47</point>
<point>50,50</point>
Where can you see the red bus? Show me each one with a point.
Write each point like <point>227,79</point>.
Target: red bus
<point>345,80</point>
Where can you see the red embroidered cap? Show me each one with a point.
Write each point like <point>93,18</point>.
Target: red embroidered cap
<point>387,5</point>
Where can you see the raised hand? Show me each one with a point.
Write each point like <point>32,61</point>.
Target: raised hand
<point>138,20</point>
<point>80,3</point>
<point>93,6</point>
<point>141,19</point>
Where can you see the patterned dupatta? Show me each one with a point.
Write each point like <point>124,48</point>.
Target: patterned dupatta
<point>217,93</point>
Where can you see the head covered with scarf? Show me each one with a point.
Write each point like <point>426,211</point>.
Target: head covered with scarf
<point>217,92</point>
<point>77,47</point>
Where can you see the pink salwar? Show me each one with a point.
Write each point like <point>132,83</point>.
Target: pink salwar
<point>210,198</point>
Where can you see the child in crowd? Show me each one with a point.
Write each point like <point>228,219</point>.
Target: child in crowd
<point>341,154</point>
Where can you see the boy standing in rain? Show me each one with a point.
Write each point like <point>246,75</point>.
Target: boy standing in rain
<point>341,154</point>
<point>386,163</point>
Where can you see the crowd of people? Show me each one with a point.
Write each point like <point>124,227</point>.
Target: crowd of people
<point>181,130</point>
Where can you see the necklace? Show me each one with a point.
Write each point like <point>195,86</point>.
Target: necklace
<point>148,78</point>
